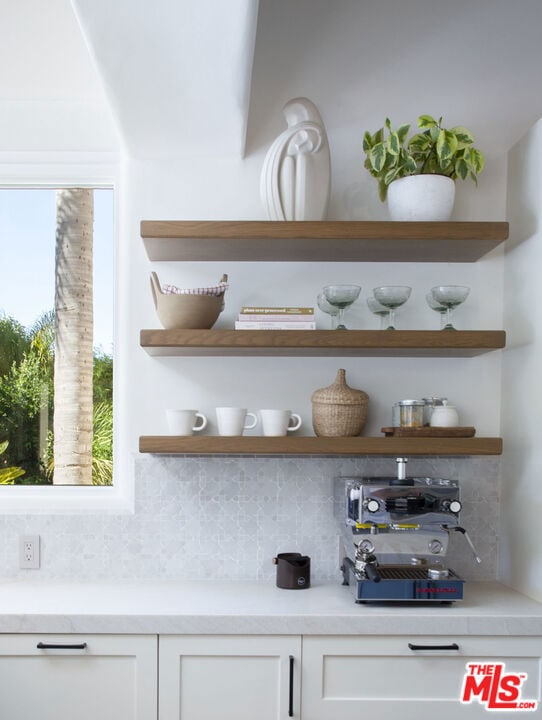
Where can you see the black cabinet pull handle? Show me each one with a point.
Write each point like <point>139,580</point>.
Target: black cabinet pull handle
<point>452,646</point>
<point>291,689</point>
<point>59,646</point>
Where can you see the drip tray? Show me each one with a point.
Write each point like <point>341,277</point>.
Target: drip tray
<point>405,572</point>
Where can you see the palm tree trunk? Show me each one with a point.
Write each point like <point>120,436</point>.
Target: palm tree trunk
<point>73,338</point>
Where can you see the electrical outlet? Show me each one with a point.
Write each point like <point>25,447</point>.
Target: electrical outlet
<point>29,552</point>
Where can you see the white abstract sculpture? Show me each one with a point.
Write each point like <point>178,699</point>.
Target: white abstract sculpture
<point>296,175</point>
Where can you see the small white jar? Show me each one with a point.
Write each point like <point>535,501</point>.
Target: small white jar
<point>444,415</point>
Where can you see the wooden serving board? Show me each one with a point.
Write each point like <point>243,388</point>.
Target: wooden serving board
<point>429,432</point>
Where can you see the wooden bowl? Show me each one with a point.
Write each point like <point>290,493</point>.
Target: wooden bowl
<point>184,311</point>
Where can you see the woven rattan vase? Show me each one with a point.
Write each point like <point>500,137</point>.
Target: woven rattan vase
<point>339,410</point>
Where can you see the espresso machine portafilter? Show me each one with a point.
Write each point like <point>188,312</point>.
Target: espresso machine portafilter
<point>399,532</point>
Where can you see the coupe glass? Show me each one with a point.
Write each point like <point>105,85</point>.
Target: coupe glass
<point>392,297</point>
<point>378,309</point>
<point>327,308</point>
<point>449,296</point>
<point>341,297</point>
<point>437,307</point>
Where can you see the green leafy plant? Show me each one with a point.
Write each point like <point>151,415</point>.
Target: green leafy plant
<point>8,474</point>
<point>26,399</point>
<point>102,444</point>
<point>434,150</point>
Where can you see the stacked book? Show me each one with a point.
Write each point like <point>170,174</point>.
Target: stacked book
<point>276,318</point>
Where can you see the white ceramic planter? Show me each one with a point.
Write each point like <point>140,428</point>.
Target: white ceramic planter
<point>421,198</point>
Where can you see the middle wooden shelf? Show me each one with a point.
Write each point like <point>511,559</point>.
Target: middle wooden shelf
<point>323,343</point>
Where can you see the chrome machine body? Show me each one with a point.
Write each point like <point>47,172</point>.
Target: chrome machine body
<point>399,529</point>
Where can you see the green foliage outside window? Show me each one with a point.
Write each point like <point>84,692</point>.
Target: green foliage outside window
<point>8,474</point>
<point>26,404</point>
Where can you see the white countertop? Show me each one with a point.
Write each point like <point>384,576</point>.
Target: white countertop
<point>223,607</point>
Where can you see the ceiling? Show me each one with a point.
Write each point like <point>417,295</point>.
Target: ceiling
<point>177,72</point>
<point>183,77</point>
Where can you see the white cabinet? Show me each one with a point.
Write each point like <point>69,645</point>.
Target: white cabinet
<point>348,678</point>
<point>90,677</point>
<point>228,677</point>
<point>240,677</point>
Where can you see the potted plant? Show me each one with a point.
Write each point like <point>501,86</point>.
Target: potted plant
<point>417,175</point>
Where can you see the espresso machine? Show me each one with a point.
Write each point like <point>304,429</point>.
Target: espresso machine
<point>396,537</point>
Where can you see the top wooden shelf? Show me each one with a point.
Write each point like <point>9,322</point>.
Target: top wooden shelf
<point>321,241</point>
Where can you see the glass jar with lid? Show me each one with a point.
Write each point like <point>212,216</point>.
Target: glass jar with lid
<point>408,413</point>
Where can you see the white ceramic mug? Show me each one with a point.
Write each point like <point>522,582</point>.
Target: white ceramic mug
<point>232,421</point>
<point>276,423</point>
<point>184,422</point>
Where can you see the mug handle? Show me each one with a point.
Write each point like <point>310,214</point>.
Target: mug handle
<point>254,421</point>
<point>295,417</point>
<point>203,422</point>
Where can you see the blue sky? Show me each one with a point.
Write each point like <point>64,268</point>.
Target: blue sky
<point>27,253</point>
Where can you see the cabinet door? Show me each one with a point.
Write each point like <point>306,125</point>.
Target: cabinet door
<point>229,677</point>
<point>90,677</point>
<point>348,678</point>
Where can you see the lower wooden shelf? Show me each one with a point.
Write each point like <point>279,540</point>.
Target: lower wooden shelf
<point>258,445</point>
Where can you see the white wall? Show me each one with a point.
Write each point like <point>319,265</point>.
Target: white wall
<point>521,559</point>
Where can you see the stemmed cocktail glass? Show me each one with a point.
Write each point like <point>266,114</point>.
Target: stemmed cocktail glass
<point>341,297</point>
<point>449,296</point>
<point>392,297</point>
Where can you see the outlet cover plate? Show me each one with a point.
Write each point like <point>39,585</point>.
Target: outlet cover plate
<point>29,552</point>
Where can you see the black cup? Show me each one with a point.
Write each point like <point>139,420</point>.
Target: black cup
<point>293,571</point>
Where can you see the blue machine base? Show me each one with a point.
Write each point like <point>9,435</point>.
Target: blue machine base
<point>443,591</point>
<point>403,584</point>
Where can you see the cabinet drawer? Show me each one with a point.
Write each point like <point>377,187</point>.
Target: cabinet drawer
<point>61,677</point>
<point>345,677</point>
<point>225,677</point>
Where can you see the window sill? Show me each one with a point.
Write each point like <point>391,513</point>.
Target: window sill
<point>73,500</point>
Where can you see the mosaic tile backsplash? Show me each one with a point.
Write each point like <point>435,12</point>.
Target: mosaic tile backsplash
<point>227,517</point>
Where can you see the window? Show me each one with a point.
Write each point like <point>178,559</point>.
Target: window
<point>41,341</point>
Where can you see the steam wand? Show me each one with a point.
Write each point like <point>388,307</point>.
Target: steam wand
<point>460,529</point>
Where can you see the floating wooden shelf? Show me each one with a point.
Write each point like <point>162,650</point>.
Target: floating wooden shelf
<point>254,445</point>
<point>301,343</point>
<point>321,241</point>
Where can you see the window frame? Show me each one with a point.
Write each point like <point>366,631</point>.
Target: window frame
<point>25,170</point>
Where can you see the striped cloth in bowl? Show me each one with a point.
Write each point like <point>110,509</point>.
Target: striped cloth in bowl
<point>215,290</point>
